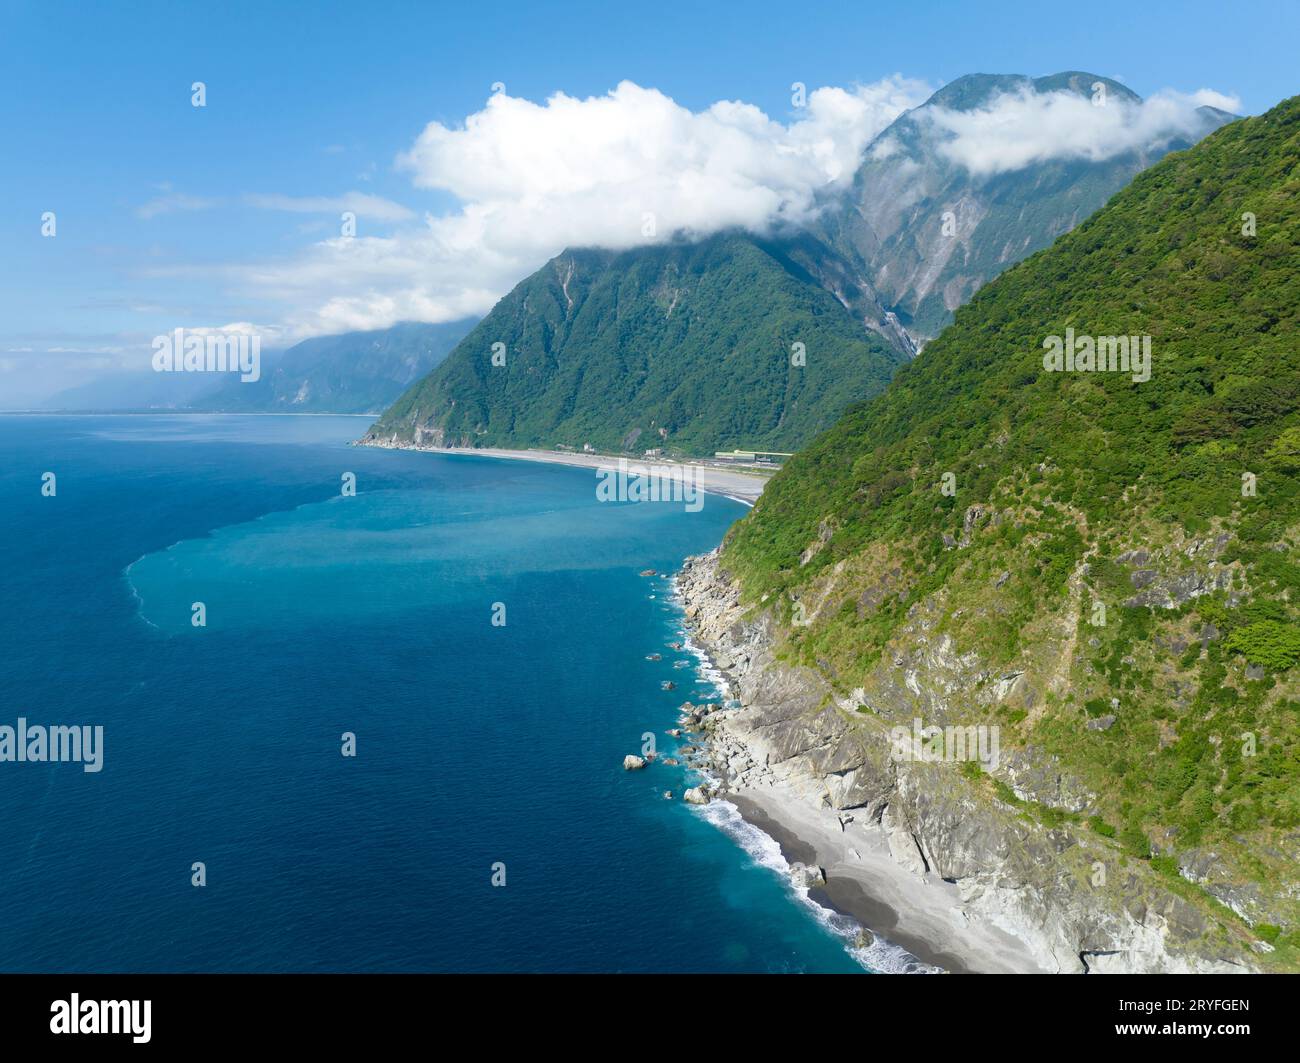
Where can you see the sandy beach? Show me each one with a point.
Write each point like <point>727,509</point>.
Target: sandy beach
<point>922,914</point>
<point>742,485</point>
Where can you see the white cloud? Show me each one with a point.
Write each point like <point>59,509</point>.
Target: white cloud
<point>1210,98</point>
<point>234,328</point>
<point>1018,129</point>
<point>532,179</point>
<point>173,202</point>
<point>884,148</point>
<point>359,203</point>
<point>586,170</point>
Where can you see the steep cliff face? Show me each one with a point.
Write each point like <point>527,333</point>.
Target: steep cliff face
<point>1066,893</point>
<point>920,232</point>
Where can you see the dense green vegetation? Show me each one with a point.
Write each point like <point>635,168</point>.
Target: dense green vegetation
<point>1173,503</point>
<point>685,346</point>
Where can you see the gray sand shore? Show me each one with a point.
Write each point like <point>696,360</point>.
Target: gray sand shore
<point>844,893</point>
<point>922,914</point>
<point>740,484</point>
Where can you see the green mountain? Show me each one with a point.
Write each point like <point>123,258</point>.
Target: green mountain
<point>687,347</point>
<point>921,234</point>
<point>356,372</point>
<point>691,347</point>
<point>1107,569</point>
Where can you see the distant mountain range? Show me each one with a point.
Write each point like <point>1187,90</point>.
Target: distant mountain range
<point>688,346</point>
<point>357,372</point>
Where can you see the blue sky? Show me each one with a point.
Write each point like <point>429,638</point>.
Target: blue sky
<point>170,215</point>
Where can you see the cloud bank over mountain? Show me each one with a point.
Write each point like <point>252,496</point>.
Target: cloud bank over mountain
<point>587,170</point>
<point>628,168</point>
<point>634,167</point>
<point>1019,129</point>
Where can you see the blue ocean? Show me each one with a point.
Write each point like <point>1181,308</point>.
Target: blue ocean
<point>482,750</point>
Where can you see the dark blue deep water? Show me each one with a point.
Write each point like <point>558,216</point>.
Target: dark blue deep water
<point>476,744</point>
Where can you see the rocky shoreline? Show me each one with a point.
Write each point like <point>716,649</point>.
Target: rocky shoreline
<point>907,848</point>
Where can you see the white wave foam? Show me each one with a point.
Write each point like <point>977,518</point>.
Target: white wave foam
<point>881,956</point>
<point>707,673</point>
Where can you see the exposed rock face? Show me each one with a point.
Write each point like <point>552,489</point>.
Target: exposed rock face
<point>1199,573</point>
<point>696,795</point>
<point>919,236</point>
<point>1035,776</point>
<point>633,763</point>
<point>807,876</point>
<point>1061,891</point>
<point>421,439</point>
<point>1210,872</point>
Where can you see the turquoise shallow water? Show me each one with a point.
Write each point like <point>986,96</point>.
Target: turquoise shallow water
<point>477,745</point>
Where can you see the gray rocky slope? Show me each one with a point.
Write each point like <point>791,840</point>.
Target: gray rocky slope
<point>1057,890</point>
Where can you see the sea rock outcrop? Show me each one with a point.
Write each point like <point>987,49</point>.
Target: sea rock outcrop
<point>806,876</point>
